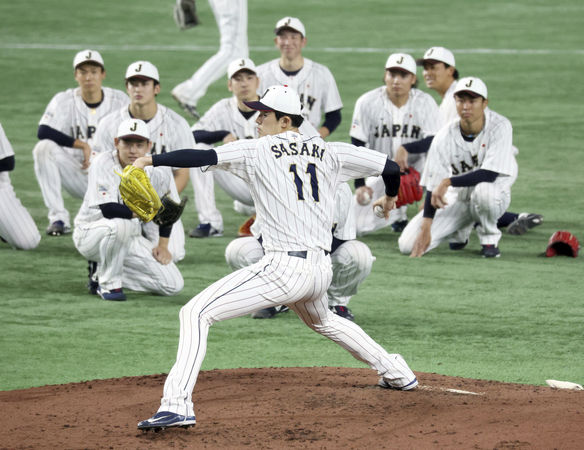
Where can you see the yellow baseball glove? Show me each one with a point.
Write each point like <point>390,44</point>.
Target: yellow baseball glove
<point>138,193</point>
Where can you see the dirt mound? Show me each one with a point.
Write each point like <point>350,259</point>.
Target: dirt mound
<point>319,407</point>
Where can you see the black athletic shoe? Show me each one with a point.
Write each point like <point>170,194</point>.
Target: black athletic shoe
<point>268,313</point>
<point>457,245</point>
<point>524,222</point>
<point>490,251</point>
<point>93,282</point>
<point>166,419</point>
<point>343,312</point>
<point>399,226</point>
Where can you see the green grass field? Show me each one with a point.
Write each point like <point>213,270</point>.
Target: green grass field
<point>516,319</point>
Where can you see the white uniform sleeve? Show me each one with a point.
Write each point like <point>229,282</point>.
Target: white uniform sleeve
<point>499,156</point>
<point>211,120</point>
<point>431,119</point>
<point>6,149</point>
<point>332,100</point>
<point>102,183</point>
<point>104,137</point>
<point>344,214</point>
<point>360,124</point>
<point>437,167</point>
<point>358,162</point>
<point>232,156</point>
<point>58,114</point>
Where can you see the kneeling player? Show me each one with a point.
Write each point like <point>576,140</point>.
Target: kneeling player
<point>107,232</point>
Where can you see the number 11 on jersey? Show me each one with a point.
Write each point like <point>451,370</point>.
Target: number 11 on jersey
<point>311,170</point>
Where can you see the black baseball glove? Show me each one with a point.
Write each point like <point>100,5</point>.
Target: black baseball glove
<point>169,212</point>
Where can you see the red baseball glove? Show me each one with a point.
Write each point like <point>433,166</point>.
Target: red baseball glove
<point>410,190</point>
<point>562,243</point>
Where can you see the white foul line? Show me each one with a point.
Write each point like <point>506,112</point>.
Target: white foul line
<point>348,50</point>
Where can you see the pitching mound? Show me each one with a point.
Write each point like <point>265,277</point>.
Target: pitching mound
<point>321,407</point>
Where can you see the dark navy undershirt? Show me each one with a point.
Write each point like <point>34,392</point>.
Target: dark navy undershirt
<point>112,210</point>
<point>357,143</point>
<point>62,139</point>
<point>7,164</point>
<point>292,73</point>
<point>332,120</point>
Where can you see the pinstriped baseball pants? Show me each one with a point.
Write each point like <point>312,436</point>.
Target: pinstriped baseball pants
<point>55,168</point>
<point>125,258</point>
<point>276,279</point>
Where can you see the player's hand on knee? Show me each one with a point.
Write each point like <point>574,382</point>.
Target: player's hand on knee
<point>162,255</point>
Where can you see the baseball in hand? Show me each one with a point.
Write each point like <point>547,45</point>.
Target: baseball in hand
<point>378,210</point>
<point>364,199</point>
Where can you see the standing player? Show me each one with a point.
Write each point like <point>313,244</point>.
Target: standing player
<point>314,82</point>
<point>168,130</point>
<point>66,136</point>
<point>440,74</point>
<point>231,18</point>
<point>108,232</point>
<point>351,259</point>
<point>17,228</point>
<point>292,178</point>
<point>385,118</point>
<point>474,155</point>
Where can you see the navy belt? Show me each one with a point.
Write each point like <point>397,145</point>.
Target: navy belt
<point>302,253</point>
<point>298,253</point>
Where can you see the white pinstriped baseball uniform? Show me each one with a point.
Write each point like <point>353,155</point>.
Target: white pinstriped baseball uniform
<point>17,227</point>
<point>168,131</point>
<point>447,108</point>
<point>225,115</point>
<point>352,260</point>
<point>384,127</point>
<point>451,155</point>
<point>292,179</point>
<point>314,83</point>
<point>123,255</point>
<point>57,166</point>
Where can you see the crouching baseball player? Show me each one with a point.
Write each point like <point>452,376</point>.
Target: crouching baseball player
<point>17,227</point>
<point>352,260</point>
<point>473,154</point>
<point>293,178</point>
<point>108,232</point>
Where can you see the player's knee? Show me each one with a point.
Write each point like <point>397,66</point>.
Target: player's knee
<point>173,286</point>
<point>30,242</point>
<point>243,252</point>
<point>42,149</point>
<point>405,244</point>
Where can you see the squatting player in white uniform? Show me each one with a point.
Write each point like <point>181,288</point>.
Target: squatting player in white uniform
<point>441,75</point>
<point>66,136</point>
<point>108,232</point>
<point>17,227</point>
<point>475,156</point>
<point>351,259</point>
<point>314,82</point>
<point>231,18</point>
<point>168,130</point>
<point>292,178</point>
<point>385,118</point>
